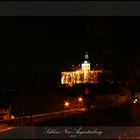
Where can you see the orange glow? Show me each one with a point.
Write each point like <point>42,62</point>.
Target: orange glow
<point>70,84</point>
<point>12,117</point>
<point>66,104</point>
<point>80,99</point>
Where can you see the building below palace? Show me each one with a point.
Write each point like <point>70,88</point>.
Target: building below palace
<point>82,74</point>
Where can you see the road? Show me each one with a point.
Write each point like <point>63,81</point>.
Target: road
<point>23,125</point>
<point>108,121</point>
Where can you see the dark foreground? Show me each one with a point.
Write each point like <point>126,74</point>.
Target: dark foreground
<point>98,123</point>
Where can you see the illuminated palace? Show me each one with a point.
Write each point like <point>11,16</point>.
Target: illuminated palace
<point>82,74</point>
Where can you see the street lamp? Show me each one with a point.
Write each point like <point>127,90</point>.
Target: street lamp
<point>12,117</point>
<point>80,99</point>
<point>135,101</point>
<point>66,104</point>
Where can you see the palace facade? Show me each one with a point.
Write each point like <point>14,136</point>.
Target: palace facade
<point>82,74</point>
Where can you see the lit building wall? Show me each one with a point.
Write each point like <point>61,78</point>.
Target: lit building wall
<point>84,75</point>
<point>78,77</point>
<point>86,66</point>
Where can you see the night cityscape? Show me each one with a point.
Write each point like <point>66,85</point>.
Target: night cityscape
<point>70,72</point>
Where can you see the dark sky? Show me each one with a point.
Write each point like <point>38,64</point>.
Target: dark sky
<point>39,46</point>
<point>65,39</point>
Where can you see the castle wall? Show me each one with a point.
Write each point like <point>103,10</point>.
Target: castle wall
<point>78,77</point>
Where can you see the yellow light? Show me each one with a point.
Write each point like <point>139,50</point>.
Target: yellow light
<point>80,99</point>
<point>12,117</point>
<point>66,104</point>
<point>135,101</point>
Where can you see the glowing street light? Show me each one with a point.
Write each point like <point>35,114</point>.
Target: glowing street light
<point>66,104</point>
<point>80,99</point>
<point>12,117</point>
<point>135,101</point>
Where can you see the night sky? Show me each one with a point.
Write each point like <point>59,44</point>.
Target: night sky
<point>43,46</point>
<point>34,51</point>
